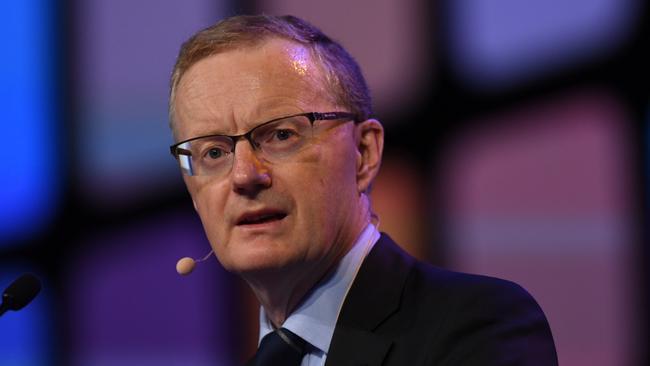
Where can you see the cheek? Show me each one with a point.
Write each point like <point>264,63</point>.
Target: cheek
<point>209,202</point>
<point>327,183</point>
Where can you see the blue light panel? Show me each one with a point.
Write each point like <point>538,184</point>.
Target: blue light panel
<point>28,171</point>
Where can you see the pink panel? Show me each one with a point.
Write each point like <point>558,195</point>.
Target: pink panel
<point>542,196</point>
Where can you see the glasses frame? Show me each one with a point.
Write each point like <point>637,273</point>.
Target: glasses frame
<point>312,116</point>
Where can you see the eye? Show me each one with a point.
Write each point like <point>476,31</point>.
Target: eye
<point>215,153</point>
<point>280,134</point>
<point>283,134</point>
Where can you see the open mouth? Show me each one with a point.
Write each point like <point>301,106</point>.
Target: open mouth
<point>261,218</point>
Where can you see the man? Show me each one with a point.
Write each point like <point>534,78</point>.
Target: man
<point>279,152</point>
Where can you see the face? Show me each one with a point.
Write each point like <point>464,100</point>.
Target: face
<point>301,214</point>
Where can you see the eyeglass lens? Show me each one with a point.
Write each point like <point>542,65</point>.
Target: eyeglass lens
<point>213,155</point>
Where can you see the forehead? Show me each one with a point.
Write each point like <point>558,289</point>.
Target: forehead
<point>233,90</point>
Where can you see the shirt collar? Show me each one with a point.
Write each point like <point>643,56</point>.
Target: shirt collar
<point>315,318</point>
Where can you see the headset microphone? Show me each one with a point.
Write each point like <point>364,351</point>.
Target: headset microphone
<point>186,265</point>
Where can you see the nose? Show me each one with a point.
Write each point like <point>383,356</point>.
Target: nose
<point>249,174</point>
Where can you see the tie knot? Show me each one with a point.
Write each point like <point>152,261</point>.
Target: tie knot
<point>292,339</point>
<point>281,347</point>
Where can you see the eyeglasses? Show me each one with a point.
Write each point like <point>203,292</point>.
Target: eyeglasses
<point>274,141</point>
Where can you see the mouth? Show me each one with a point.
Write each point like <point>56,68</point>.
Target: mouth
<point>262,217</point>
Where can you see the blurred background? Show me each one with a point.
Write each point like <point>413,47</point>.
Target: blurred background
<point>516,147</point>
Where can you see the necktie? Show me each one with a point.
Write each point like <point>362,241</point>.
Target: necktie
<point>280,347</point>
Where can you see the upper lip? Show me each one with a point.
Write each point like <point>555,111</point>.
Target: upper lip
<point>257,214</point>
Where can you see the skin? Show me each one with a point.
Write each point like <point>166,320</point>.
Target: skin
<point>321,189</point>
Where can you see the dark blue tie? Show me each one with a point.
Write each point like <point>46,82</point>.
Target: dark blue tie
<point>281,347</point>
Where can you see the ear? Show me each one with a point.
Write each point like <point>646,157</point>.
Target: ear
<point>370,145</point>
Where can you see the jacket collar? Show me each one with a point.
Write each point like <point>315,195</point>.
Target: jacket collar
<point>374,296</point>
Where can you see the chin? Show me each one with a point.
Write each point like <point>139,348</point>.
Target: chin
<point>255,261</point>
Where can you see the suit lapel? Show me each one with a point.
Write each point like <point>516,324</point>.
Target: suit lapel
<point>374,296</point>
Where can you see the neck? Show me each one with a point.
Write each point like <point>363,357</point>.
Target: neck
<point>280,297</point>
<point>280,291</point>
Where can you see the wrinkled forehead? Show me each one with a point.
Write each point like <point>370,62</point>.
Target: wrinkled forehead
<point>243,82</point>
<point>272,57</point>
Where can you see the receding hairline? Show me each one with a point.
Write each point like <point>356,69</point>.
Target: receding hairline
<point>202,51</point>
<point>182,66</point>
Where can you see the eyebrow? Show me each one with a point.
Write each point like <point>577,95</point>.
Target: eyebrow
<point>248,126</point>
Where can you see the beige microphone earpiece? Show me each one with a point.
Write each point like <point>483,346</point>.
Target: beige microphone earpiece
<point>186,265</point>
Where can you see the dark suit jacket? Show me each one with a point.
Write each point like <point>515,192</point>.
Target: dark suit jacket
<point>403,312</point>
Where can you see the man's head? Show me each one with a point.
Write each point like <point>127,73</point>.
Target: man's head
<point>294,212</point>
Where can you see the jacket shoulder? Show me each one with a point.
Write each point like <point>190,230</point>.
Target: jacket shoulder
<point>465,319</point>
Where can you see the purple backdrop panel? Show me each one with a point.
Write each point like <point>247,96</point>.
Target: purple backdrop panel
<point>127,50</point>
<point>498,43</point>
<point>130,307</point>
<point>544,196</point>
